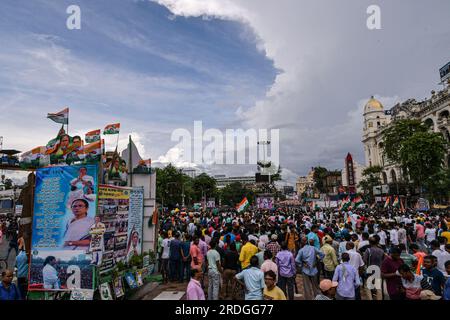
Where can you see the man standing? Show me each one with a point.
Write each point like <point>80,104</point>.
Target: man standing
<point>348,279</point>
<point>307,259</point>
<point>165,257</point>
<point>194,289</point>
<point>248,250</point>
<point>8,290</point>
<point>273,246</point>
<point>175,259</point>
<point>214,271</point>
<point>271,291</point>
<point>287,270</point>
<point>330,258</point>
<point>357,262</point>
<point>328,289</point>
<point>389,269</point>
<point>252,279</point>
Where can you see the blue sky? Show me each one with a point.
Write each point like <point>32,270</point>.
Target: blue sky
<point>132,61</point>
<point>306,67</point>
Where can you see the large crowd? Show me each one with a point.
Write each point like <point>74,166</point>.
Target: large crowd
<point>369,254</point>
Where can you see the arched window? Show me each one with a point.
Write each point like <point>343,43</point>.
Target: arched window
<point>384,178</point>
<point>393,176</point>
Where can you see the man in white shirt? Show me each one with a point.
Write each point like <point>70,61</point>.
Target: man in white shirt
<point>165,257</point>
<point>393,236</point>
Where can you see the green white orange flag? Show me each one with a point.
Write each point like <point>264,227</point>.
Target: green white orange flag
<point>112,128</point>
<point>345,203</point>
<point>242,205</point>
<point>60,117</point>
<point>388,199</point>
<point>396,203</point>
<point>92,136</point>
<point>357,201</point>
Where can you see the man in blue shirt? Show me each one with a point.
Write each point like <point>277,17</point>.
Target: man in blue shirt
<point>8,290</point>
<point>313,236</point>
<point>252,279</point>
<point>22,272</point>
<point>347,278</point>
<point>307,259</point>
<point>433,276</point>
<point>175,259</point>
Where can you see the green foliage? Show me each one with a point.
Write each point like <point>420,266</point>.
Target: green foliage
<point>371,178</point>
<point>152,255</point>
<point>233,193</point>
<point>320,174</point>
<point>204,185</point>
<point>395,136</point>
<point>418,151</point>
<point>136,261</point>
<point>437,186</point>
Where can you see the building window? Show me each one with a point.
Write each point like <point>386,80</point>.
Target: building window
<point>370,124</point>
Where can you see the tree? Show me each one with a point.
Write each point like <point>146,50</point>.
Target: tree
<point>233,193</point>
<point>169,185</point>
<point>437,186</point>
<point>320,174</point>
<point>204,185</point>
<point>395,136</point>
<point>419,152</point>
<point>371,178</point>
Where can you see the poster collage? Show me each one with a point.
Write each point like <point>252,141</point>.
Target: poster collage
<point>80,227</point>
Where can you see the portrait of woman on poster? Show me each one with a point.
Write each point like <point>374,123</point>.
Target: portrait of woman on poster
<point>77,234</point>
<point>49,274</point>
<point>133,243</point>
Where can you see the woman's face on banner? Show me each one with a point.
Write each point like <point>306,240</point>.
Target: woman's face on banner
<point>79,208</point>
<point>135,239</point>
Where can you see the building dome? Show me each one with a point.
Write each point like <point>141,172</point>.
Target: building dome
<point>373,105</point>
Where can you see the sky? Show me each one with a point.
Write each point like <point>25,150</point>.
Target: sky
<point>306,67</point>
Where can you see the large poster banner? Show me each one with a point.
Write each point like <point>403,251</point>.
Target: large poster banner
<point>65,205</point>
<point>264,202</point>
<point>135,221</point>
<point>113,210</point>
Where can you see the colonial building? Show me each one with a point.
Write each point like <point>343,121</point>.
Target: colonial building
<point>434,111</point>
<point>304,184</point>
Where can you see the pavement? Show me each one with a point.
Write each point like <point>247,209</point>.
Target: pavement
<point>154,290</point>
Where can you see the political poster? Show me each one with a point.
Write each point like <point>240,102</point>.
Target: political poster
<point>264,202</point>
<point>118,287</point>
<point>113,210</point>
<point>135,221</point>
<point>65,205</point>
<point>105,291</point>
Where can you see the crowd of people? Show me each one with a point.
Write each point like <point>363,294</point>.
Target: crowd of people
<point>369,254</point>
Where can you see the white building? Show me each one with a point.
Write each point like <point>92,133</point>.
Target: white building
<point>434,111</point>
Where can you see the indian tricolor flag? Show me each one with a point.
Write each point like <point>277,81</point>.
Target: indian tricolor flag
<point>357,201</point>
<point>112,128</point>
<point>94,149</point>
<point>242,205</point>
<point>60,117</point>
<point>388,199</point>
<point>345,203</point>
<point>92,136</point>
<point>396,202</point>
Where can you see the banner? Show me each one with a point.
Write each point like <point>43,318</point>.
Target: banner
<point>65,205</point>
<point>113,210</point>
<point>264,202</point>
<point>135,221</point>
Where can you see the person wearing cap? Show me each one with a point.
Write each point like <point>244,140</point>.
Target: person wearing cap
<point>328,290</point>
<point>273,246</point>
<point>330,258</point>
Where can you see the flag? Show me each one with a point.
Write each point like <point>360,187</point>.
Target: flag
<point>243,205</point>
<point>91,151</point>
<point>387,202</point>
<point>112,129</point>
<point>60,117</point>
<point>155,216</point>
<point>357,201</point>
<point>396,202</point>
<point>92,136</point>
<point>345,203</point>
